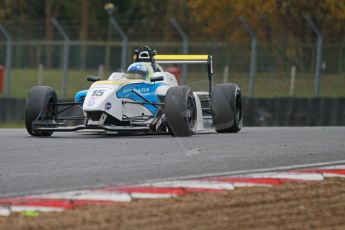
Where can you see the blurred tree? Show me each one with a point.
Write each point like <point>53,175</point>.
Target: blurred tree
<point>269,17</point>
<point>84,30</point>
<point>84,20</point>
<point>4,8</point>
<point>145,17</point>
<point>179,10</point>
<point>51,10</point>
<point>220,19</point>
<point>273,21</point>
<point>328,15</point>
<point>137,17</point>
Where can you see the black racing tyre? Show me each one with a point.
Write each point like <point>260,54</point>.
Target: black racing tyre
<point>40,104</point>
<point>180,111</point>
<point>227,108</point>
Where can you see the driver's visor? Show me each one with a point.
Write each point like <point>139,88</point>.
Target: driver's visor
<point>136,75</point>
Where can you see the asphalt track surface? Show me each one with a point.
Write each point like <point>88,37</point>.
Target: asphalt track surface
<point>67,161</point>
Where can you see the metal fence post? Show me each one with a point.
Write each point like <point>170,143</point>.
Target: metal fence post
<point>124,42</point>
<point>107,47</point>
<point>319,45</point>
<point>8,61</point>
<point>64,88</point>
<point>184,47</point>
<point>253,56</point>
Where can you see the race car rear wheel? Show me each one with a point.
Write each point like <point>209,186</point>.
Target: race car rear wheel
<point>180,111</point>
<point>40,105</point>
<point>227,108</point>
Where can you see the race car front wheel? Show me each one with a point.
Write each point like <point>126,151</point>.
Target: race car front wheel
<point>40,105</point>
<point>180,111</point>
<point>227,108</point>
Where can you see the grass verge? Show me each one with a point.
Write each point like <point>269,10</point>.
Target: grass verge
<point>266,84</point>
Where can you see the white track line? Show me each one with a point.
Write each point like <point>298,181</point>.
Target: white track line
<point>289,176</point>
<point>244,184</point>
<point>87,195</point>
<point>332,175</point>
<point>138,195</point>
<point>4,211</point>
<point>19,208</point>
<point>16,208</point>
<point>333,167</point>
<point>196,184</point>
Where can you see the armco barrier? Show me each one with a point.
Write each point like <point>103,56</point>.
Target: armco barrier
<point>257,111</point>
<point>2,79</point>
<point>11,110</point>
<point>294,111</point>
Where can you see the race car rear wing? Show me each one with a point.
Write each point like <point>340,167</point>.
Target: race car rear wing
<point>181,58</point>
<point>188,59</point>
<point>146,54</point>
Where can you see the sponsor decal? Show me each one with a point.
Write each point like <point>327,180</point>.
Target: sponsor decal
<point>95,94</point>
<point>98,92</point>
<point>127,90</point>
<point>107,106</point>
<point>92,101</point>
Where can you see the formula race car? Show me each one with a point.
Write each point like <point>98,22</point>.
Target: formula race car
<point>143,99</point>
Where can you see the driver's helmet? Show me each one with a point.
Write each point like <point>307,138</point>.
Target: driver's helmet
<point>140,70</point>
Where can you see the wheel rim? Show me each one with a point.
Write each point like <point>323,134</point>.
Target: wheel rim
<point>238,107</point>
<point>191,115</point>
<point>50,110</point>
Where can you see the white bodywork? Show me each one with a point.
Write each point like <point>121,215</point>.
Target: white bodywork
<point>109,103</point>
<point>102,97</point>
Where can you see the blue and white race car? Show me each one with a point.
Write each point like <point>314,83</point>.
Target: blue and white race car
<point>143,99</point>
